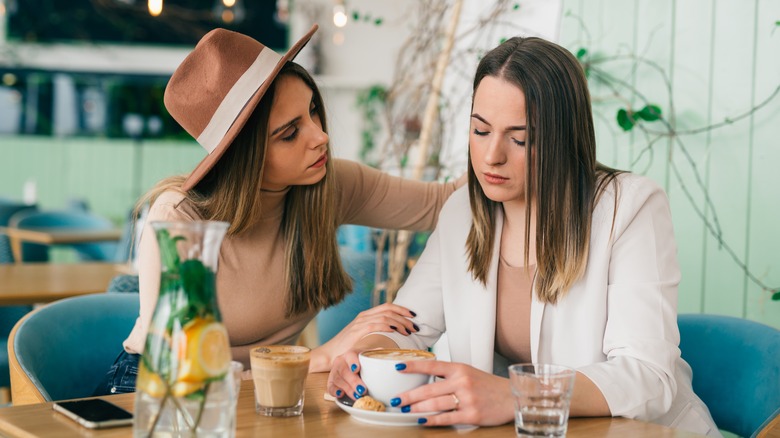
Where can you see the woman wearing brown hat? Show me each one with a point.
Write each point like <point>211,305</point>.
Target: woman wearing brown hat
<point>269,173</point>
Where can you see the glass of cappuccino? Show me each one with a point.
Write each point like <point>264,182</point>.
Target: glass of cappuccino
<point>279,373</point>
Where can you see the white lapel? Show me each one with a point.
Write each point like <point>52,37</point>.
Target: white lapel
<point>483,308</point>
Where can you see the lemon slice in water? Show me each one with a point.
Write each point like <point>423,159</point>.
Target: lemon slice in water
<point>203,351</point>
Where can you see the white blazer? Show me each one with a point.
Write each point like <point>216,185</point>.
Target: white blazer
<point>617,324</point>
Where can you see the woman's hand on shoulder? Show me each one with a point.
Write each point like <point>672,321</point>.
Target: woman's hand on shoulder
<point>383,318</point>
<point>464,395</point>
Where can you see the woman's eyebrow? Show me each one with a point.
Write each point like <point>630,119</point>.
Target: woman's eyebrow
<point>511,128</point>
<point>285,126</point>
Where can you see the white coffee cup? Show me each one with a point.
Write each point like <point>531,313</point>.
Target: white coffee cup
<point>383,381</point>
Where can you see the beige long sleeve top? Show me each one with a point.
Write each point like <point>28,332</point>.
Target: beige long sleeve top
<point>251,287</point>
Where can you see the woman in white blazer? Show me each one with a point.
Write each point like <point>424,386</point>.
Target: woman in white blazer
<point>596,244</point>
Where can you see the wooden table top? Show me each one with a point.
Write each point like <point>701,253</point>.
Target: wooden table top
<point>55,236</point>
<point>30,283</point>
<point>320,418</point>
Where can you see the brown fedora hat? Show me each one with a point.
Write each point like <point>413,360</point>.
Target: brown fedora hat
<point>217,87</point>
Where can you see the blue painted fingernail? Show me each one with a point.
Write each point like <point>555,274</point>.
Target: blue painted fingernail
<point>395,402</point>
<point>413,314</point>
<point>415,327</point>
<point>394,327</point>
<point>400,366</point>
<point>338,393</point>
<point>406,409</point>
<point>408,331</point>
<point>421,421</point>
<point>361,390</point>
<point>356,396</point>
<point>353,367</point>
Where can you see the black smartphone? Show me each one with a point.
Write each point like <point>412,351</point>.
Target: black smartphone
<point>94,413</point>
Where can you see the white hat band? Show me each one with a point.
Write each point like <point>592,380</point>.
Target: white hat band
<point>238,96</point>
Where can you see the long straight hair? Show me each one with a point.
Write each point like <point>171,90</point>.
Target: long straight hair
<point>564,178</point>
<point>231,192</point>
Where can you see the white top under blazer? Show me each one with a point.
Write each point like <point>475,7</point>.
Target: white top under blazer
<point>617,325</point>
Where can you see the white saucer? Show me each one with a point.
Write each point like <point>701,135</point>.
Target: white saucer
<point>384,418</point>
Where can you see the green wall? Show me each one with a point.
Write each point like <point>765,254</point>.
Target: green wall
<point>99,170</point>
<point>703,62</point>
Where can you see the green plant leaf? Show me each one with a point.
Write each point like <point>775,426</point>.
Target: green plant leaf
<point>624,120</point>
<point>502,41</point>
<point>776,296</point>
<point>649,113</point>
<point>355,15</point>
<point>581,53</point>
<point>378,22</point>
<point>195,279</point>
<point>516,6</point>
<point>169,255</point>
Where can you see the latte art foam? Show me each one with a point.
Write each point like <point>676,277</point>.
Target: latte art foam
<point>398,354</point>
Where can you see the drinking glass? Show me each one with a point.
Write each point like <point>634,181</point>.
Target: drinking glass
<point>542,397</point>
<point>279,373</point>
<point>236,370</point>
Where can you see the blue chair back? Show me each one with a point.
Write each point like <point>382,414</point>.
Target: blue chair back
<point>9,315</point>
<point>361,266</point>
<point>736,369</point>
<point>66,347</point>
<point>8,209</point>
<point>78,220</point>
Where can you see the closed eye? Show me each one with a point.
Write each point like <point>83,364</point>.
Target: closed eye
<point>292,135</point>
<point>519,142</point>
<point>480,133</point>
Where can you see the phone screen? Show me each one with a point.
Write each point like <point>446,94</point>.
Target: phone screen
<point>94,413</point>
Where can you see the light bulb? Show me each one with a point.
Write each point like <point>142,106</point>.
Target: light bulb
<point>155,7</point>
<point>229,3</point>
<point>339,16</point>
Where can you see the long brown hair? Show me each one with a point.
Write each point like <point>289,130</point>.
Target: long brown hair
<point>564,178</point>
<point>231,192</point>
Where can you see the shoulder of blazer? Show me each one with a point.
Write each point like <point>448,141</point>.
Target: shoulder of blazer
<point>633,192</point>
<point>456,212</point>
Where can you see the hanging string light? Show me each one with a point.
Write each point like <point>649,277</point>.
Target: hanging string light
<point>339,14</point>
<point>155,7</point>
<point>229,11</point>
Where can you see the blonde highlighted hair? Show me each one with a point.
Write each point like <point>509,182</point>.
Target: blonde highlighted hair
<point>231,192</point>
<point>564,179</point>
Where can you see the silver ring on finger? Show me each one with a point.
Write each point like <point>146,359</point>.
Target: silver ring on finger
<point>456,400</point>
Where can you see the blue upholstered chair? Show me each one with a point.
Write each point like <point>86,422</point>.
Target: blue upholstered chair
<point>736,370</point>
<point>79,220</point>
<point>9,208</point>
<point>64,349</point>
<point>8,314</point>
<point>361,266</point>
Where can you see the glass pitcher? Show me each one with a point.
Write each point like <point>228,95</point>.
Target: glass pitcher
<point>184,386</point>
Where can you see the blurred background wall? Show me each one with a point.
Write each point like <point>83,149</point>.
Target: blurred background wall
<point>83,118</point>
